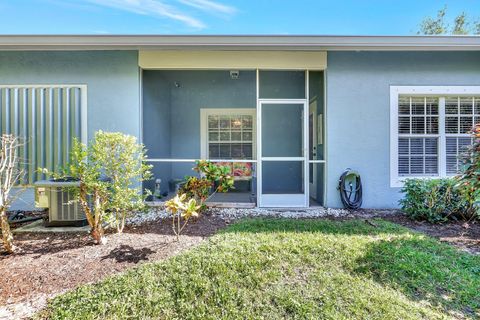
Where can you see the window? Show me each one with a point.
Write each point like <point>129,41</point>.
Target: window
<point>228,134</point>
<point>48,118</point>
<point>429,130</point>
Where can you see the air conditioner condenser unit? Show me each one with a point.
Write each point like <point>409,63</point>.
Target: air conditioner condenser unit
<point>59,197</point>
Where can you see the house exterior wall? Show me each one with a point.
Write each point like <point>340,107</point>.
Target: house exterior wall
<point>112,79</point>
<point>358,111</point>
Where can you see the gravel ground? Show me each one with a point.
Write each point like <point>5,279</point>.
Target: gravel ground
<point>159,212</point>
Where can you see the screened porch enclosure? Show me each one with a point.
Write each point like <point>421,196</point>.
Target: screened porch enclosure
<point>266,126</point>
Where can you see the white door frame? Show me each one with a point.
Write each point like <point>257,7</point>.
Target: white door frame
<point>283,200</point>
<point>312,111</point>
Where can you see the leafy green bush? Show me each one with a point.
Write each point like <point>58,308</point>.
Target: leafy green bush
<point>469,179</point>
<point>109,169</point>
<point>433,200</point>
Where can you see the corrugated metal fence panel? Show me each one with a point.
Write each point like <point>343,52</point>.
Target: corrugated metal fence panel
<point>48,118</point>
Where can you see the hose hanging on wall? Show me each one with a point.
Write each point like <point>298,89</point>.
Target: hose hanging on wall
<point>350,186</point>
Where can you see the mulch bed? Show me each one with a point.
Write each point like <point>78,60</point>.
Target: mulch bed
<point>52,263</point>
<point>465,236</point>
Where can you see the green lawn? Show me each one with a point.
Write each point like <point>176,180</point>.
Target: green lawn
<point>276,269</point>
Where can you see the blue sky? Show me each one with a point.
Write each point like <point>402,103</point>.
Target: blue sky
<point>347,17</point>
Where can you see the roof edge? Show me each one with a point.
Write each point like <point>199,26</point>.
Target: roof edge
<point>236,42</point>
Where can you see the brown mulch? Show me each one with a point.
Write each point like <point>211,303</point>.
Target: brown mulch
<point>53,263</point>
<point>465,236</point>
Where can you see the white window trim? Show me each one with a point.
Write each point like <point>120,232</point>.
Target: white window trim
<point>395,180</point>
<point>205,112</point>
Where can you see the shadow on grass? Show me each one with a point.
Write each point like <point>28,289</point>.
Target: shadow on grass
<point>424,269</point>
<point>418,266</point>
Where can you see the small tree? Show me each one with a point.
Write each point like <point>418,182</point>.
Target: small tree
<point>10,174</point>
<point>92,189</point>
<point>109,170</point>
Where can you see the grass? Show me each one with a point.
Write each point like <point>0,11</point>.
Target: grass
<point>277,269</point>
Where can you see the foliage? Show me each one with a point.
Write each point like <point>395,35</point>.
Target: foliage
<point>10,174</point>
<point>197,188</point>
<point>433,200</point>
<point>122,160</point>
<point>109,170</point>
<point>469,180</point>
<point>196,191</point>
<point>94,192</point>
<point>181,208</point>
<point>292,269</point>
<point>212,175</point>
<point>215,173</point>
<point>439,26</point>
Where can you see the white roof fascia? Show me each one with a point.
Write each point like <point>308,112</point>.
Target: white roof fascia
<point>238,42</point>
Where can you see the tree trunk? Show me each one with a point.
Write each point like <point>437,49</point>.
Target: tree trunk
<point>6,232</point>
<point>120,223</point>
<point>98,234</point>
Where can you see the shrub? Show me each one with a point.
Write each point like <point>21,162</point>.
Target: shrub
<point>122,160</point>
<point>212,175</point>
<point>434,200</point>
<point>109,170</point>
<point>193,194</point>
<point>469,179</point>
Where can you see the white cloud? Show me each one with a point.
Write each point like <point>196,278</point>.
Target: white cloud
<point>210,6</point>
<point>154,8</point>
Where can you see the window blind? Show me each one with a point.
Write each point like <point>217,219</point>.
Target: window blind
<point>420,133</point>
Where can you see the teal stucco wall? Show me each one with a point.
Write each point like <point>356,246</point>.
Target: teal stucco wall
<point>112,79</point>
<point>358,111</point>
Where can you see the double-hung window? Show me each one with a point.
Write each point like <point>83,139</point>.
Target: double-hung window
<point>430,130</point>
<point>229,134</point>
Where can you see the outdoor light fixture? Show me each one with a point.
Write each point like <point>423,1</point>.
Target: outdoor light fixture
<point>234,74</point>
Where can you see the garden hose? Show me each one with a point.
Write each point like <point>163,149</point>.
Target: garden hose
<point>350,186</point>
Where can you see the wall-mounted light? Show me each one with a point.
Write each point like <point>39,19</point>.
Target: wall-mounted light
<point>234,74</point>
<point>177,84</point>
